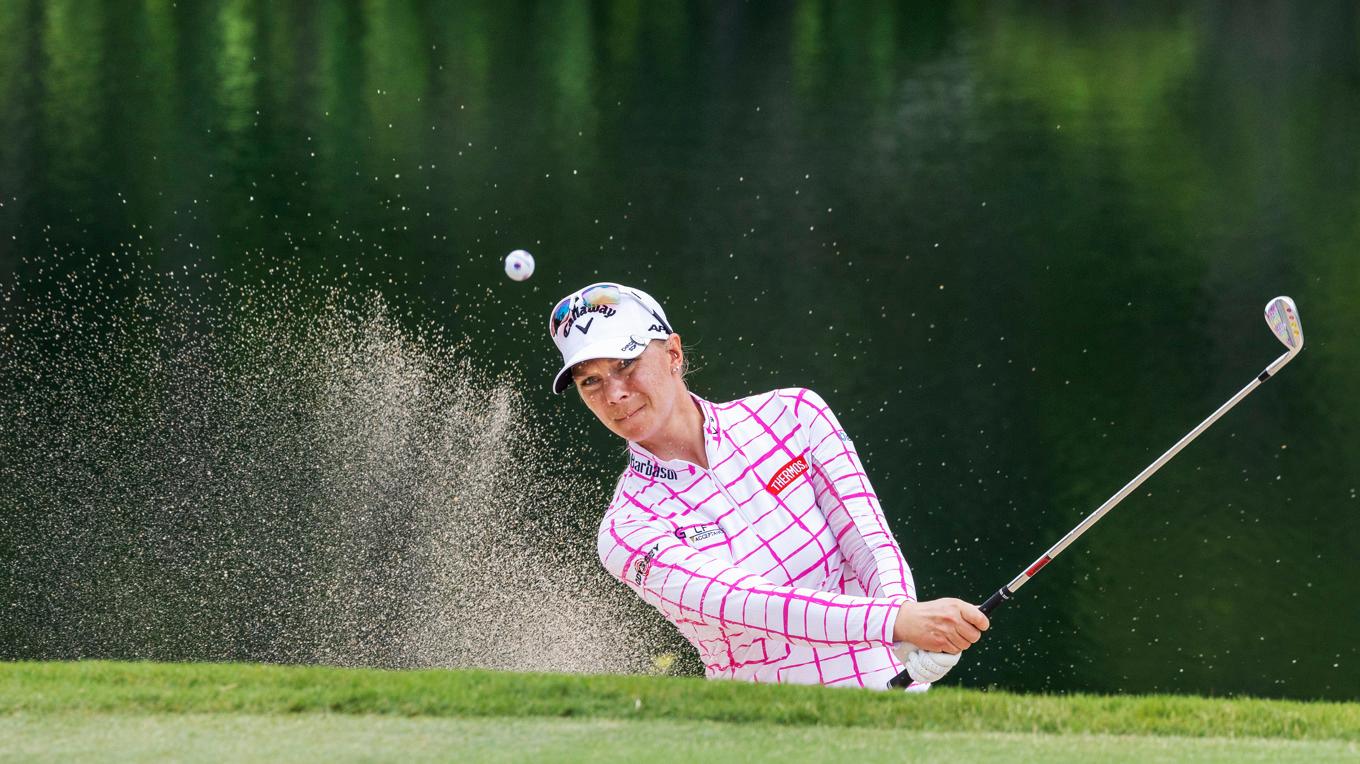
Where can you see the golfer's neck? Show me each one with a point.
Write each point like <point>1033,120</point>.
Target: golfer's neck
<point>682,437</point>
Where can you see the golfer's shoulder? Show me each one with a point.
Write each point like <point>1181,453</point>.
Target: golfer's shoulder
<point>631,498</point>
<point>618,505</point>
<point>802,401</point>
<point>632,514</point>
<point>622,494</point>
<point>790,397</point>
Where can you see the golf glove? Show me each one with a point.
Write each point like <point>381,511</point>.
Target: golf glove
<point>925,666</point>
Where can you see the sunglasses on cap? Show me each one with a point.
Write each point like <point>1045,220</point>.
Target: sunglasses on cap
<point>590,297</point>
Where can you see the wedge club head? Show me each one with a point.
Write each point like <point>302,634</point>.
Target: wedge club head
<point>1283,317</point>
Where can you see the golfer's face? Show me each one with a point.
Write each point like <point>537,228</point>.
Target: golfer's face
<point>632,397</point>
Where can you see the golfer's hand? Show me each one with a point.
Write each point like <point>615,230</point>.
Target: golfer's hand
<point>923,666</point>
<point>945,625</point>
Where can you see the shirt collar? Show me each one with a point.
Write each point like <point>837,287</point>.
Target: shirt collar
<point>712,427</point>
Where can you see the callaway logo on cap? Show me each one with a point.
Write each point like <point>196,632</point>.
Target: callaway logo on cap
<point>604,321</point>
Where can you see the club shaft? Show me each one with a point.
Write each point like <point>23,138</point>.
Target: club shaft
<point>1005,592</point>
<point>1137,481</point>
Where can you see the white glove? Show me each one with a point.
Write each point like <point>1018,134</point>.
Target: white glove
<point>925,666</point>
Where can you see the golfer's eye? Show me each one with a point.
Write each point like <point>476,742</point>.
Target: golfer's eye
<point>625,363</point>
<point>588,382</point>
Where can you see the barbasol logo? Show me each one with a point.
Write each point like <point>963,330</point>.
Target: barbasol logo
<point>648,469</point>
<point>787,474</point>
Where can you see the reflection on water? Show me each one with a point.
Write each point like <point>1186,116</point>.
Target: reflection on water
<point>1021,248</point>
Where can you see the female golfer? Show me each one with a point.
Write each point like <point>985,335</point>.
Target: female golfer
<point>750,525</point>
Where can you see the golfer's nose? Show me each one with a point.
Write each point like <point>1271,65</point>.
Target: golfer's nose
<point>615,389</point>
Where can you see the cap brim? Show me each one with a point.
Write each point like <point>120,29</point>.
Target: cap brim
<point>604,349</point>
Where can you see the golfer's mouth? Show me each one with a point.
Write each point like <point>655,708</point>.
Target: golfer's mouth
<point>630,414</point>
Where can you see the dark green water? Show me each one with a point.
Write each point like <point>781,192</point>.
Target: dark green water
<point>1021,248</point>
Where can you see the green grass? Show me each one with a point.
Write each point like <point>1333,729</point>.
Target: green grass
<point>141,711</point>
<point>330,737</point>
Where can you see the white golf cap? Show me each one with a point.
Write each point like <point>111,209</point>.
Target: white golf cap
<point>604,321</point>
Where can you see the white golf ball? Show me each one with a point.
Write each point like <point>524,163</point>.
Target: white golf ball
<point>519,265</point>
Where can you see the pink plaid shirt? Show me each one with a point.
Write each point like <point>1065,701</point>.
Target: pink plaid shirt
<point>776,562</point>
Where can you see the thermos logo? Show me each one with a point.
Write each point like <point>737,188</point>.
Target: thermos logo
<point>787,474</point>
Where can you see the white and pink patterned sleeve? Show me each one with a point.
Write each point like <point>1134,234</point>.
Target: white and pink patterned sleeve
<point>689,585</point>
<point>849,502</point>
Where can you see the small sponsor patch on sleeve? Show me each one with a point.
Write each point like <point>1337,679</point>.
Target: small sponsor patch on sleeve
<point>841,434</point>
<point>694,534</point>
<point>643,565</point>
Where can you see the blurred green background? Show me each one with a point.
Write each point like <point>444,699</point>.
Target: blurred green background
<point>1020,248</point>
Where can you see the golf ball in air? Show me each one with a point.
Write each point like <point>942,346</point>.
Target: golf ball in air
<point>519,265</point>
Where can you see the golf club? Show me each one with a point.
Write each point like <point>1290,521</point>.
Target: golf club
<point>1283,318</point>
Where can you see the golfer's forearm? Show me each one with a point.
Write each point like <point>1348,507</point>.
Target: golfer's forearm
<point>803,616</point>
<point>688,585</point>
<point>907,625</point>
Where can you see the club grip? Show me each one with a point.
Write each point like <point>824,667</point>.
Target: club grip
<point>994,601</point>
<point>903,679</point>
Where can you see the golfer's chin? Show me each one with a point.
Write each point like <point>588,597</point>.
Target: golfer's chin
<point>635,426</point>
